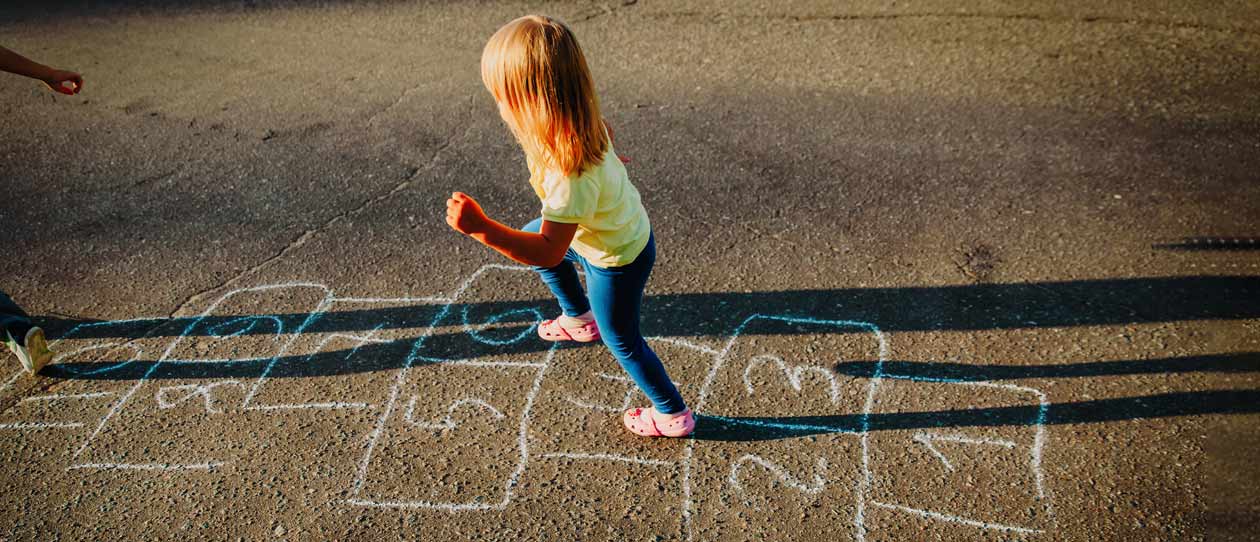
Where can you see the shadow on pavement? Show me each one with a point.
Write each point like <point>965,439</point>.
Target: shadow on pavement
<point>940,308</point>
<point>1224,244</point>
<point>1075,412</point>
<point>977,307</point>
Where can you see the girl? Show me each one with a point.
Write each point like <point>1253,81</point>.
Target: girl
<point>591,214</point>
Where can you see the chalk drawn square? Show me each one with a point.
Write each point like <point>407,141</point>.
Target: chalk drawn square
<point>778,442</point>
<point>453,433</point>
<point>933,441</point>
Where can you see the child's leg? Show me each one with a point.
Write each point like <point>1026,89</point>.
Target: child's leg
<point>615,297</point>
<point>562,279</point>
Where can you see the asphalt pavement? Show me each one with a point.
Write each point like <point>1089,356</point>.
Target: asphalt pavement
<point>984,270</point>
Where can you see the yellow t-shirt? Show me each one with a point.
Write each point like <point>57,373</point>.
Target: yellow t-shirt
<point>612,224</point>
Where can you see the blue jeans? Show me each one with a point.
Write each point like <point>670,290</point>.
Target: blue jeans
<point>615,295</point>
<point>13,319</point>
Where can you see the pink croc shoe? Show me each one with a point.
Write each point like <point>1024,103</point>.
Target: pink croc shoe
<point>551,330</point>
<point>640,422</point>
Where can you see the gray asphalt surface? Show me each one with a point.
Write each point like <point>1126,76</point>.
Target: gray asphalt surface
<point>938,271</point>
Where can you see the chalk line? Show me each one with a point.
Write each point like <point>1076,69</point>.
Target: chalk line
<point>432,300</point>
<point>212,465</point>
<point>135,353</point>
<point>448,422</point>
<point>684,343</point>
<point>206,391</point>
<point>41,425</point>
<point>956,519</point>
<point>60,397</point>
<point>11,380</point>
<point>820,474</point>
<point>927,440</point>
<point>1039,437</point>
<point>793,374</point>
<point>625,402</point>
<point>311,406</point>
<point>611,457</point>
<point>311,317</point>
<point>359,340</point>
<point>475,333</point>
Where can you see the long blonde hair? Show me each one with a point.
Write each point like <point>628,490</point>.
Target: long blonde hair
<point>538,75</point>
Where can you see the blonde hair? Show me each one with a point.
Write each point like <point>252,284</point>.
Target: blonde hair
<point>538,75</point>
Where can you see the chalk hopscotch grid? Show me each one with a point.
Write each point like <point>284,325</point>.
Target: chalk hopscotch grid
<point>864,483</point>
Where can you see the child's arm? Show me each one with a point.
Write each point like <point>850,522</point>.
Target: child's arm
<point>14,63</point>
<point>544,249</point>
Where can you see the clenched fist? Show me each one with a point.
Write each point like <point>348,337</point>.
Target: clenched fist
<point>464,215</point>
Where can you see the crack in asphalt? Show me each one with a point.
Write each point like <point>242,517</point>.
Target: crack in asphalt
<point>309,234</point>
<point>945,15</point>
<point>406,92</point>
<point>155,178</point>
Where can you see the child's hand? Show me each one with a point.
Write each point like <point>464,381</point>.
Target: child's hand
<point>56,79</point>
<point>464,215</point>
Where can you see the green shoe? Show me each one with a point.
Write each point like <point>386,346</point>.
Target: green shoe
<point>33,353</point>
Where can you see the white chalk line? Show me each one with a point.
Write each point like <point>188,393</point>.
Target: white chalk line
<point>818,485</point>
<point>448,422</point>
<point>611,457</point>
<point>927,439</point>
<point>206,391</point>
<point>793,374</point>
<point>417,505</point>
<point>208,466</point>
<point>684,343</point>
<point>41,425</point>
<point>312,406</point>
<point>63,397</point>
<point>956,519</point>
<point>625,401</point>
<point>67,336</point>
<point>12,379</point>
